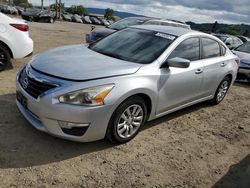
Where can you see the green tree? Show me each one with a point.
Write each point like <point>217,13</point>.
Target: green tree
<point>53,7</point>
<point>246,33</point>
<point>109,14</point>
<point>214,28</point>
<point>231,31</point>
<point>22,3</point>
<point>80,10</point>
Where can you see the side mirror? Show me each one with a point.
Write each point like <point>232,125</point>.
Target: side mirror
<point>176,62</point>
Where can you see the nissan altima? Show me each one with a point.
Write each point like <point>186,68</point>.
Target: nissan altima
<point>112,87</point>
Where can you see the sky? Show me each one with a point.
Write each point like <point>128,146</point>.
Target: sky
<point>199,11</point>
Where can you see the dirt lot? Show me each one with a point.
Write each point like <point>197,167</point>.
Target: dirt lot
<point>201,146</point>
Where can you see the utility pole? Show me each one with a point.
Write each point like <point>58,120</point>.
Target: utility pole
<point>60,9</point>
<point>42,4</point>
<point>56,9</point>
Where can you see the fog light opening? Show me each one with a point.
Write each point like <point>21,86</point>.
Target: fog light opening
<point>70,125</point>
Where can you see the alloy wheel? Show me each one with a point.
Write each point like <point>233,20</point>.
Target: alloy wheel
<point>222,91</point>
<point>130,121</point>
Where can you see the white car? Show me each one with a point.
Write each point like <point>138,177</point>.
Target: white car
<point>15,42</point>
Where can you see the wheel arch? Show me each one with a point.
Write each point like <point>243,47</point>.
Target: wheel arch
<point>7,47</point>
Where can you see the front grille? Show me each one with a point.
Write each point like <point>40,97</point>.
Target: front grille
<point>32,86</point>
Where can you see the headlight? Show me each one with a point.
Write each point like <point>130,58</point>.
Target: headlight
<point>91,96</point>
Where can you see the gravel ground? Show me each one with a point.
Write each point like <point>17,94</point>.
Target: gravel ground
<point>200,146</point>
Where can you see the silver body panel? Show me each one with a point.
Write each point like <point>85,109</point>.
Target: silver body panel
<point>169,89</point>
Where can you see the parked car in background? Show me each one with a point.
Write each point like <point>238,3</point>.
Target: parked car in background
<point>86,20</point>
<point>231,41</point>
<point>104,22</point>
<point>19,9</point>
<point>14,40</point>
<point>99,33</point>
<point>112,87</point>
<point>8,9</point>
<point>95,20</point>
<point>39,15</point>
<point>243,38</point>
<point>67,17</point>
<point>243,52</point>
<point>167,23</point>
<point>76,18</point>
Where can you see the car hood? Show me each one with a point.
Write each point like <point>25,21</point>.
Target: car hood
<point>79,63</point>
<point>103,31</point>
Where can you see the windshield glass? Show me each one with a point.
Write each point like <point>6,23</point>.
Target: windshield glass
<point>126,23</point>
<point>134,45</point>
<point>244,48</point>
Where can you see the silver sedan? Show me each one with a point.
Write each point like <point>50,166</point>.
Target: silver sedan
<point>111,88</point>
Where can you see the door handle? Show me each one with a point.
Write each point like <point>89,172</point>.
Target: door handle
<point>198,71</point>
<point>223,64</point>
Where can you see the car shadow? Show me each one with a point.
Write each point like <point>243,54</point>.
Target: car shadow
<point>244,84</point>
<point>238,175</point>
<point>21,145</point>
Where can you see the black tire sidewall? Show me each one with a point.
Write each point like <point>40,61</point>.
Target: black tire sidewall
<point>6,51</point>
<point>112,133</point>
<point>215,100</point>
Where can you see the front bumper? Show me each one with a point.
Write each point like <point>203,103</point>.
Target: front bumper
<point>45,114</point>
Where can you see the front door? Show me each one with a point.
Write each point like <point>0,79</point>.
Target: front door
<point>179,86</point>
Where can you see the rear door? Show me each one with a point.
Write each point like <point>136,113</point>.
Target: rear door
<point>214,64</point>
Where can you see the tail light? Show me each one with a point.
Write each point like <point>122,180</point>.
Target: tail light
<point>237,61</point>
<point>21,27</point>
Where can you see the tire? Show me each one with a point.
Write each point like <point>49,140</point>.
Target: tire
<point>51,20</point>
<point>221,91</point>
<point>120,130</point>
<point>4,57</point>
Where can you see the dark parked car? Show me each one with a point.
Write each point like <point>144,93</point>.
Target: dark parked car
<point>95,21</point>
<point>231,41</point>
<point>104,22</point>
<point>8,9</point>
<point>39,15</point>
<point>86,20</point>
<point>243,38</point>
<point>102,32</point>
<point>76,18</point>
<point>243,52</point>
<point>67,17</point>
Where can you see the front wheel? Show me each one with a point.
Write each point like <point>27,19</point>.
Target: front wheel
<point>221,91</point>
<point>127,120</point>
<point>4,57</point>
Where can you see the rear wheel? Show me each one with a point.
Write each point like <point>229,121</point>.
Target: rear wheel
<point>127,120</point>
<point>221,91</point>
<point>4,57</point>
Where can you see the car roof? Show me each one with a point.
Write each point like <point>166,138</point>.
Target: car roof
<point>176,31</point>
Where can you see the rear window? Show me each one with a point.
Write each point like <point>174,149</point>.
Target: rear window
<point>211,48</point>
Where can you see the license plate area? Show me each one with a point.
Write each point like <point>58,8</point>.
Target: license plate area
<point>22,99</point>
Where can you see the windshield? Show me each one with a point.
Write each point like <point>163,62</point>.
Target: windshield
<point>126,23</point>
<point>244,48</point>
<point>134,45</point>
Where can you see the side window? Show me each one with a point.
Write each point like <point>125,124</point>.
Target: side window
<point>211,48</point>
<point>188,49</point>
